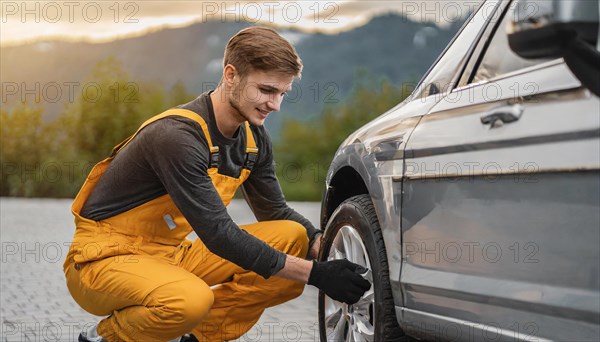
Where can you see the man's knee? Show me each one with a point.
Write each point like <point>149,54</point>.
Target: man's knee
<point>295,238</point>
<point>184,303</point>
<point>295,290</point>
<point>290,291</point>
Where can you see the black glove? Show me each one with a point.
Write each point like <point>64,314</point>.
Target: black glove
<point>339,279</point>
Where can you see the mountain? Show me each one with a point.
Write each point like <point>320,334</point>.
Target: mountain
<point>388,46</point>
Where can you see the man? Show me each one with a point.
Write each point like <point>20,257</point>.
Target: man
<point>130,259</point>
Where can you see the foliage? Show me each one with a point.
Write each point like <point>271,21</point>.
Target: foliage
<point>23,146</point>
<point>52,159</point>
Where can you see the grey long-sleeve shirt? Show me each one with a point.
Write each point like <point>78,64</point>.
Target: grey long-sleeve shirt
<point>171,156</point>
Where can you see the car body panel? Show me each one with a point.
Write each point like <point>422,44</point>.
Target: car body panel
<point>522,256</point>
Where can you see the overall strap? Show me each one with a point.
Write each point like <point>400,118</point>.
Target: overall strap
<point>174,111</point>
<point>251,149</point>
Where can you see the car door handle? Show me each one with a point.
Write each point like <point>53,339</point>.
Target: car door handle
<point>500,116</point>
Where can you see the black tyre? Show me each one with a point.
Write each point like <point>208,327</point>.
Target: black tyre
<point>353,232</point>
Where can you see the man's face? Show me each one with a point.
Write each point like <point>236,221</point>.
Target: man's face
<point>259,93</point>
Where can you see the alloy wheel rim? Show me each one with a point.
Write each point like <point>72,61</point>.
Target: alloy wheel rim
<point>355,322</point>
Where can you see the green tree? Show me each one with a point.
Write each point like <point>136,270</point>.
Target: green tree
<point>53,159</point>
<point>23,148</point>
<point>178,94</point>
<point>106,112</point>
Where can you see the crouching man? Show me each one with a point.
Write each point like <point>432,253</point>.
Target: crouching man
<point>130,259</point>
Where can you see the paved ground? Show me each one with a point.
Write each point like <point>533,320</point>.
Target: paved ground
<point>36,306</point>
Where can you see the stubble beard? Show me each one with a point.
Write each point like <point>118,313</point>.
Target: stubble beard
<point>236,93</point>
<point>236,106</point>
<point>233,102</point>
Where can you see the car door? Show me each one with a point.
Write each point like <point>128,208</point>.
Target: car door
<point>500,204</point>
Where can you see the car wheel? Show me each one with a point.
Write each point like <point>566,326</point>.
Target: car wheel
<point>353,232</point>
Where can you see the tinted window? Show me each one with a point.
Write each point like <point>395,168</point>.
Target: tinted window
<point>440,78</point>
<point>499,58</point>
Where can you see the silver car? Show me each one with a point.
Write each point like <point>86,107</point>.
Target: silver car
<point>475,203</point>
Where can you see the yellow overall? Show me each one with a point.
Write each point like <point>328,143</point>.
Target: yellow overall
<point>139,268</point>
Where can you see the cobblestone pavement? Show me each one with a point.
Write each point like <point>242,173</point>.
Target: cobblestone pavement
<point>35,303</point>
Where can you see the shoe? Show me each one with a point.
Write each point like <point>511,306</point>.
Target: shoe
<point>90,335</point>
<point>188,338</point>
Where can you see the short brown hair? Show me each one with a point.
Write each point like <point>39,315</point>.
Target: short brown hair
<point>262,49</point>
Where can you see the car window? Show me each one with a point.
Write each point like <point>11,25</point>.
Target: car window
<point>440,78</point>
<point>499,59</point>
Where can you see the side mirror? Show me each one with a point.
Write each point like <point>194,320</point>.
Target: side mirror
<point>558,28</point>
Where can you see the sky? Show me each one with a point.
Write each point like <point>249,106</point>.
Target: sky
<point>24,21</point>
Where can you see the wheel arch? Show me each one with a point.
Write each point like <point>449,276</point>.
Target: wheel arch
<point>345,183</point>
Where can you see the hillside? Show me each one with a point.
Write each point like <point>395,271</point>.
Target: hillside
<point>388,46</point>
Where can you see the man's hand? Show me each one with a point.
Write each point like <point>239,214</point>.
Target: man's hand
<point>313,252</point>
<point>339,279</point>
